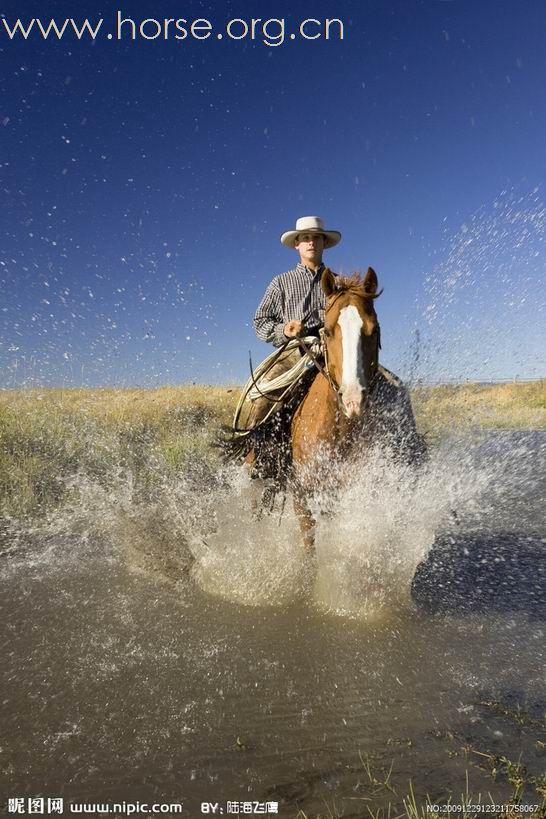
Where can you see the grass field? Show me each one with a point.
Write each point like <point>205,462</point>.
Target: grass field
<point>48,436</point>
<point>489,406</point>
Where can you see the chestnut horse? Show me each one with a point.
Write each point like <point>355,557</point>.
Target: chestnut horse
<point>339,415</point>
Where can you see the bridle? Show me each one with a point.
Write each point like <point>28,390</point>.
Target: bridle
<point>325,369</point>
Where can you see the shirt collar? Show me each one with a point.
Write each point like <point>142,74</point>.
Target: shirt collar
<point>311,273</point>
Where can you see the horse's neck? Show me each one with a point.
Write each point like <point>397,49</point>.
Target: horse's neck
<point>324,394</point>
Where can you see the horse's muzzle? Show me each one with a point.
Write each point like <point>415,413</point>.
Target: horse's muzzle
<point>352,401</point>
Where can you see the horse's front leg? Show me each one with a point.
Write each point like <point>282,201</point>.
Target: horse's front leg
<point>306,520</point>
<point>311,434</point>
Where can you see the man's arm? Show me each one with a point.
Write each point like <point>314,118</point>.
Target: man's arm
<point>268,319</point>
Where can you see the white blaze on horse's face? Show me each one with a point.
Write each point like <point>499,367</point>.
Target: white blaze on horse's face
<point>352,380</point>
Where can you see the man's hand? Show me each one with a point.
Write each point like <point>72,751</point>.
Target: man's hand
<point>293,329</point>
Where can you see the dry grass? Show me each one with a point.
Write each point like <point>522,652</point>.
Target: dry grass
<point>444,409</point>
<point>47,436</point>
<point>118,406</point>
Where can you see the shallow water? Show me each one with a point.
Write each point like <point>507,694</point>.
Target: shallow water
<point>249,679</point>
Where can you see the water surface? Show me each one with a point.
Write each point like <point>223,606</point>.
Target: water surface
<point>421,635</point>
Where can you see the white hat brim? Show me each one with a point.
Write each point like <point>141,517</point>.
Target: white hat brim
<point>332,237</point>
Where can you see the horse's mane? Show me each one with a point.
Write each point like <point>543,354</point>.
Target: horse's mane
<point>354,284</point>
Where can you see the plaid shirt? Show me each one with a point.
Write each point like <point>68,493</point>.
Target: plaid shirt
<point>294,295</point>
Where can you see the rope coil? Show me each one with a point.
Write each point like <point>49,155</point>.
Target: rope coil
<point>258,387</point>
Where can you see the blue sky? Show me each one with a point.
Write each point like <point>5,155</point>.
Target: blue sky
<point>144,186</point>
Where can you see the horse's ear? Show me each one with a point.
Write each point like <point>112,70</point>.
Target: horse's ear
<point>370,282</point>
<point>328,282</point>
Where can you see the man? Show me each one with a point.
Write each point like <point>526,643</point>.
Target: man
<point>293,304</point>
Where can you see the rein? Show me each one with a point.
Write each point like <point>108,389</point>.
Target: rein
<point>322,369</point>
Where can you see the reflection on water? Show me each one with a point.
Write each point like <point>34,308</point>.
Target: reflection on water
<point>231,684</point>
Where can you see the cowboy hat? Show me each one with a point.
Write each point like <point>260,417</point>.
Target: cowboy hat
<point>311,224</point>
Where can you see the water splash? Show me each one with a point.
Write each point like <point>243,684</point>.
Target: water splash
<point>372,536</point>
<point>242,553</point>
<point>372,532</point>
<point>483,304</point>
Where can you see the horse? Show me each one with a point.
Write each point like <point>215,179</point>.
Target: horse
<point>352,401</point>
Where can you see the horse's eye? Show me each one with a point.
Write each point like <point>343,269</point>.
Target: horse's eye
<point>327,333</point>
